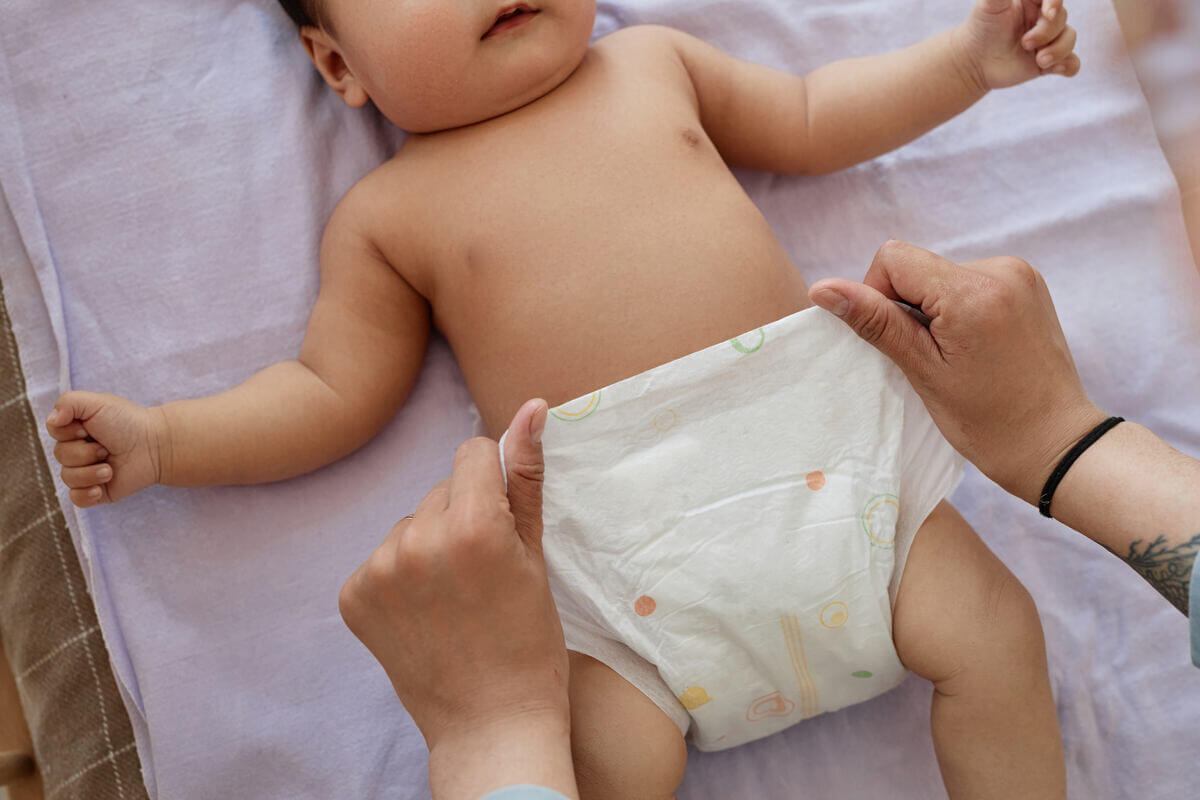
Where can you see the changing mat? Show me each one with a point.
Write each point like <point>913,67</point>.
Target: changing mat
<point>166,177</point>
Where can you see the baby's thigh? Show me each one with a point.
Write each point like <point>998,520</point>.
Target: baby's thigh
<point>624,745</point>
<point>958,606</point>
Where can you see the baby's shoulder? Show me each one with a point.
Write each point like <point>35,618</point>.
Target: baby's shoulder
<point>649,41</point>
<point>642,51</point>
<point>381,188</point>
<point>354,216</point>
<point>378,210</point>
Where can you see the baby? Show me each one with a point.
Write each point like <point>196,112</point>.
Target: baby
<point>554,203</point>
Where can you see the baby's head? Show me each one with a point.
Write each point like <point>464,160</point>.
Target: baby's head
<point>429,65</point>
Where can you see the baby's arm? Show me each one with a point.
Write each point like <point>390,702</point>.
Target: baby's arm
<point>361,355</point>
<point>856,109</point>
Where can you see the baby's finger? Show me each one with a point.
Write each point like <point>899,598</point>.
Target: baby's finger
<point>1068,67</point>
<point>83,477</point>
<point>1058,50</point>
<point>70,431</point>
<point>79,453</point>
<point>86,498</point>
<point>1045,31</point>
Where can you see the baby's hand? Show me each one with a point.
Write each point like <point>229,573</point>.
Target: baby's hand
<point>1007,42</point>
<point>109,448</point>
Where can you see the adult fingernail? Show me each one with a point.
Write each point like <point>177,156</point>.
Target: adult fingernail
<point>53,418</point>
<point>104,472</point>
<point>537,424</point>
<point>833,302</point>
<point>94,491</point>
<point>101,453</point>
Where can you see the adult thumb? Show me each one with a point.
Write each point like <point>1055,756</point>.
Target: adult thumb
<point>879,321</point>
<point>524,470</point>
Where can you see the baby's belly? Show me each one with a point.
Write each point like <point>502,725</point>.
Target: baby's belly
<point>599,320</point>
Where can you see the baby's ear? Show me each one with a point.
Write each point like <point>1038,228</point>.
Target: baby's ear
<point>324,52</point>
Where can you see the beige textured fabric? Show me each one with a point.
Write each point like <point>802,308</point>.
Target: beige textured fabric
<point>81,733</point>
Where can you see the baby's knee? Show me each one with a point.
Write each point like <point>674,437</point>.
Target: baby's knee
<point>646,766</point>
<point>959,606</point>
<point>1007,608</point>
<point>1004,634</point>
<point>624,746</point>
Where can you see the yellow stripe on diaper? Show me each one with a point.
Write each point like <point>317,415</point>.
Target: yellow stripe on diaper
<point>571,411</point>
<point>809,706</point>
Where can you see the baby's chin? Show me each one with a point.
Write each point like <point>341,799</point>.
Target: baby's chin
<point>428,121</point>
<point>435,117</point>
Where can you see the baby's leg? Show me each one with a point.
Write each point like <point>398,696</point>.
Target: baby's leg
<point>963,621</point>
<point>625,747</point>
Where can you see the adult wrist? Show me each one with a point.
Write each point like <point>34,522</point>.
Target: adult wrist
<point>1073,455</point>
<point>521,748</point>
<point>1025,472</point>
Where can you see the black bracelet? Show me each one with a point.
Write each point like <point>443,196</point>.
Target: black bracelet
<point>1069,459</point>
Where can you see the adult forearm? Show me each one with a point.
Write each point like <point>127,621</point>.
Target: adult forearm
<point>861,108</point>
<point>281,422</point>
<point>533,749</point>
<point>1140,498</point>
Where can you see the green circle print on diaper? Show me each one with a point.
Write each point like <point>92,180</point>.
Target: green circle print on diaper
<point>749,348</point>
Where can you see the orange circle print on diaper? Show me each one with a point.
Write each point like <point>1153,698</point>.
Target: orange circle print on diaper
<point>815,480</point>
<point>644,606</point>
<point>769,705</point>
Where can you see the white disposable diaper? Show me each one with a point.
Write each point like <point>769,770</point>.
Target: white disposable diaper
<point>738,518</point>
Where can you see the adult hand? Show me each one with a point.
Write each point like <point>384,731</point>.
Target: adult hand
<point>456,606</point>
<point>992,366</point>
<point>995,373</point>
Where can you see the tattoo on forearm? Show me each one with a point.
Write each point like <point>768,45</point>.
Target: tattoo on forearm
<point>1168,569</point>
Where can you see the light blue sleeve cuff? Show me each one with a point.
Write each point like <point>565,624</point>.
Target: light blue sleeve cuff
<point>1194,612</point>
<point>524,792</point>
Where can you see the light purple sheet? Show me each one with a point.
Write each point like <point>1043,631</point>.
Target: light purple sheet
<point>167,174</point>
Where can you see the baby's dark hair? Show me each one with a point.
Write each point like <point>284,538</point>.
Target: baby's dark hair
<point>303,12</point>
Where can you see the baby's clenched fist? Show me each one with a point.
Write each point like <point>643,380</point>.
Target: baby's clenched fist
<point>109,447</point>
<point>1006,42</point>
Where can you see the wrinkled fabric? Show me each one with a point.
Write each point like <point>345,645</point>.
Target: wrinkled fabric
<point>168,176</point>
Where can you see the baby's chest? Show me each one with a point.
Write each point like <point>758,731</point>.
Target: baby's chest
<point>585,240</point>
<point>606,179</point>
<point>613,174</point>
